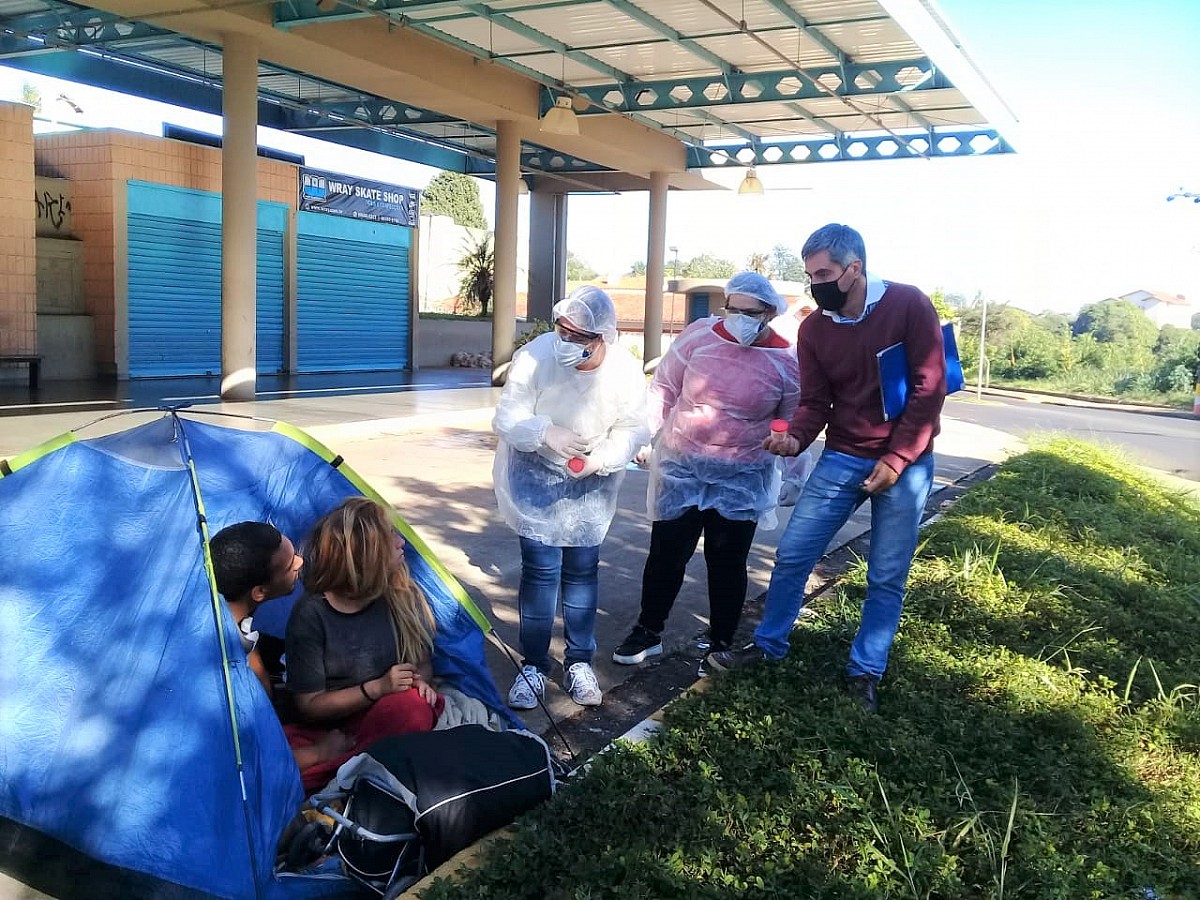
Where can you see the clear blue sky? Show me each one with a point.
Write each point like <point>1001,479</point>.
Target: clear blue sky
<point>1110,125</point>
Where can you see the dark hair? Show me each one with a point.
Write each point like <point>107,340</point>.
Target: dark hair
<point>241,557</point>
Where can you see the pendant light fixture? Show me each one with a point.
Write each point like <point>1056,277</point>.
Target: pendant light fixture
<point>560,118</point>
<point>751,183</point>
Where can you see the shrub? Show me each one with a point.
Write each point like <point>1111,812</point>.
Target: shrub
<point>539,327</point>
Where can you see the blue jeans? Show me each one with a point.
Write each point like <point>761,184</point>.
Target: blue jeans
<point>543,570</point>
<point>833,492</point>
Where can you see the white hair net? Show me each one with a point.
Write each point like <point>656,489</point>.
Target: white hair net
<point>589,309</point>
<point>751,284</point>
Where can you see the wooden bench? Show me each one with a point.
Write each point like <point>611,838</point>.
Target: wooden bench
<point>34,363</point>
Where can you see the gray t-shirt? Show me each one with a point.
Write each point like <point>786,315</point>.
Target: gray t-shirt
<point>329,650</point>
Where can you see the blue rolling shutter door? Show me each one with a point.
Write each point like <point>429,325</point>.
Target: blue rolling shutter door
<point>352,297</point>
<point>175,282</point>
<point>269,277</point>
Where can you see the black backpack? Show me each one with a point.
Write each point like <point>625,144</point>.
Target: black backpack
<point>414,800</point>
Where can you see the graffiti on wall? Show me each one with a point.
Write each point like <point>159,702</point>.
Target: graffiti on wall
<point>52,196</point>
<point>52,208</point>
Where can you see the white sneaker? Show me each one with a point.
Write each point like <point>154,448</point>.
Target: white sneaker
<point>581,684</point>
<point>528,687</point>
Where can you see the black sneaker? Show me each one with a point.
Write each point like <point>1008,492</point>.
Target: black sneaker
<point>702,670</point>
<point>724,660</point>
<point>641,644</point>
<point>863,688</point>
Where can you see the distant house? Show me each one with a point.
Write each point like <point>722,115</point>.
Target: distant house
<point>1163,309</point>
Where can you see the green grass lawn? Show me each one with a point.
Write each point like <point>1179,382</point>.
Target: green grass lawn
<point>1038,734</point>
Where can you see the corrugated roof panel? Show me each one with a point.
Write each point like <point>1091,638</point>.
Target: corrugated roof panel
<point>553,66</point>
<point>689,17</point>
<point>734,47</point>
<point>576,25</point>
<point>303,88</point>
<point>488,36</point>
<point>868,42</point>
<point>848,121</point>
<point>746,53</point>
<point>189,56</point>
<point>817,11</point>
<point>749,112</point>
<point>651,61</point>
<point>940,99</point>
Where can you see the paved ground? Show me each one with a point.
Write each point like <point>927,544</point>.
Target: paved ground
<point>429,451</point>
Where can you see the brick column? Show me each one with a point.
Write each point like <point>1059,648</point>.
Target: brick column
<point>18,223</point>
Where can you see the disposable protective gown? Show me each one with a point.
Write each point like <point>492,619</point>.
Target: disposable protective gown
<point>710,406</point>
<point>606,407</point>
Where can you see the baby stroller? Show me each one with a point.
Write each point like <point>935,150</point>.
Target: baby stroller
<point>411,802</point>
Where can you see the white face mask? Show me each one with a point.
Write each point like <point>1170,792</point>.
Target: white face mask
<point>744,329</point>
<point>569,354</point>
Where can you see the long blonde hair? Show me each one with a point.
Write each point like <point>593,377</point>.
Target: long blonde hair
<point>351,552</point>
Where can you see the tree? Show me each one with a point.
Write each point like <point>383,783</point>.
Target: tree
<point>944,310</point>
<point>478,266</point>
<point>31,95</point>
<point>1176,356</point>
<point>760,263</point>
<point>707,266</point>
<point>1196,322</point>
<point>1004,323</point>
<point>1116,322</point>
<point>454,195</point>
<point>577,269</point>
<point>1055,323</point>
<point>638,268</point>
<point>786,264</point>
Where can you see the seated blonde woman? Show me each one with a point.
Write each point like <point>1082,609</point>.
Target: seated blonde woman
<point>360,640</point>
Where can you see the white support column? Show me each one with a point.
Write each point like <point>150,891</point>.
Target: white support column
<point>656,251</point>
<point>239,216</point>
<point>504,299</point>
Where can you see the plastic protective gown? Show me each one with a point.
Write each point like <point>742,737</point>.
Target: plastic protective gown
<point>711,406</point>
<point>606,407</point>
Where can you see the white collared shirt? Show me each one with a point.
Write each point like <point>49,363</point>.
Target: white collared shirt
<point>875,291</point>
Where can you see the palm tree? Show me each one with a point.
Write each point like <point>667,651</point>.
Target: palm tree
<point>759,262</point>
<point>477,284</point>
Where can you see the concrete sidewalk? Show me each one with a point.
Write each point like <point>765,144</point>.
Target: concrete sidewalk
<point>429,452</point>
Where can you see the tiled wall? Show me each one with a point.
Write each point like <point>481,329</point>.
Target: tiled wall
<point>18,269</point>
<point>99,164</point>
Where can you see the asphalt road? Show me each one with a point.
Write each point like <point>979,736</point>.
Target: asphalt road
<point>1161,441</point>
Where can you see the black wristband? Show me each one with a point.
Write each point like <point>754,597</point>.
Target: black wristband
<point>362,686</point>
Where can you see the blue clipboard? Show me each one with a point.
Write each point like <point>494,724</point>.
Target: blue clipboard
<point>893,373</point>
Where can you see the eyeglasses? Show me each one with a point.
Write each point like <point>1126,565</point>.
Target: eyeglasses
<point>575,337</point>
<point>739,311</point>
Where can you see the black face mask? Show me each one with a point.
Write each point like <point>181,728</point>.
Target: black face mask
<point>828,295</point>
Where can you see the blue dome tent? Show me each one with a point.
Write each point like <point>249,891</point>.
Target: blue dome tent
<point>139,755</point>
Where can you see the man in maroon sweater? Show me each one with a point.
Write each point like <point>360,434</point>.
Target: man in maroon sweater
<point>889,463</point>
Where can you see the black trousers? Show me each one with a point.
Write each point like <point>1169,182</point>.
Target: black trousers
<point>726,547</point>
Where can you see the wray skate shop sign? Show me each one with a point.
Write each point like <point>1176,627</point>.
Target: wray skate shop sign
<point>358,198</point>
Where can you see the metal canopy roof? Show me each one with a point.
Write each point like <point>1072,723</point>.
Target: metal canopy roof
<point>750,82</point>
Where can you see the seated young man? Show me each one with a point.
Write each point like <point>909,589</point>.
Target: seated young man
<point>253,563</point>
